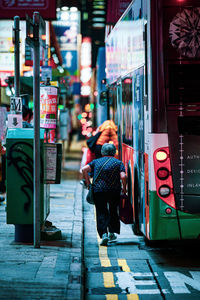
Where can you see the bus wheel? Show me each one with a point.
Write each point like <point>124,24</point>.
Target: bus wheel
<point>135,225</point>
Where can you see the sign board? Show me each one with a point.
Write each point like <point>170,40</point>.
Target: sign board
<point>48,106</point>
<point>86,66</point>
<point>7,61</point>
<point>53,159</point>
<point>66,30</point>
<point>16,104</point>
<point>11,8</point>
<point>6,44</point>
<point>46,73</point>
<point>115,9</point>
<point>50,168</point>
<point>70,61</point>
<point>4,75</point>
<point>15,121</point>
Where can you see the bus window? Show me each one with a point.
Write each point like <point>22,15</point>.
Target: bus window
<point>113,105</point>
<point>115,117</point>
<point>184,83</point>
<point>127,130</point>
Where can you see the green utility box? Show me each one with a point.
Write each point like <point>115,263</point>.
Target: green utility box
<point>19,167</point>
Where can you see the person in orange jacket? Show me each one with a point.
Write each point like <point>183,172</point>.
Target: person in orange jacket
<point>108,135</point>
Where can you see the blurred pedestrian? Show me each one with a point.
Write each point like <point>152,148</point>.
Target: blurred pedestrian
<point>107,190</point>
<point>27,116</point>
<point>108,134</point>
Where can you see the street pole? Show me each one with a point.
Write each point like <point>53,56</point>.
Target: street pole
<point>108,104</point>
<point>17,59</point>
<point>36,97</point>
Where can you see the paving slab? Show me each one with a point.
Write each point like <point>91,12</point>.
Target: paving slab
<point>55,270</point>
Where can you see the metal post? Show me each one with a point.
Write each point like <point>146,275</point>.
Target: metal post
<point>36,97</point>
<point>46,55</point>
<point>108,104</point>
<point>17,59</point>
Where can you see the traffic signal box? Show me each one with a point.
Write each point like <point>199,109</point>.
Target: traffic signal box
<point>19,167</point>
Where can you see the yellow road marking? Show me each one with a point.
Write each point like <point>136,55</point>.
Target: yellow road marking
<point>111,297</point>
<point>103,252</point>
<point>108,279</point>
<point>105,262</point>
<point>103,256</point>
<point>132,297</point>
<point>122,263</point>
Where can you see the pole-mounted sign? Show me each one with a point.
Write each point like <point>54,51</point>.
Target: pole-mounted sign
<point>15,115</point>
<point>16,104</point>
<point>35,37</point>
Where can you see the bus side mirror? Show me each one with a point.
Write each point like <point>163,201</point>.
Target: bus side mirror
<point>103,98</point>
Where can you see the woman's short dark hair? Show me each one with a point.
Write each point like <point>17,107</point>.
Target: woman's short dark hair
<point>108,149</point>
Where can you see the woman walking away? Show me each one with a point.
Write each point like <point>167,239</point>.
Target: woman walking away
<point>107,188</point>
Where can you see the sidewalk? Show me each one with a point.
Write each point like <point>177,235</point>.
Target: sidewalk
<point>54,271</point>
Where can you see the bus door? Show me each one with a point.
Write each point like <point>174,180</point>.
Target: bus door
<point>138,145</point>
<point>184,135</point>
<point>119,114</point>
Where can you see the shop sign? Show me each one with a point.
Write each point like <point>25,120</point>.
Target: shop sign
<point>6,45</point>
<point>4,75</point>
<point>86,69</point>
<point>7,61</point>
<point>11,8</point>
<point>115,9</point>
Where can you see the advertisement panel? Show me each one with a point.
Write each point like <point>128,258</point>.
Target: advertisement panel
<point>124,49</point>
<point>11,8</point>
<point>48,107</point>
<point>66,29</point>
<point>86,66</point>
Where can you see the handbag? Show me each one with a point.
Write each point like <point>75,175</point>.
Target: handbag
<point>125,210</point>
<point>90,194</point>
<point>91,142</point>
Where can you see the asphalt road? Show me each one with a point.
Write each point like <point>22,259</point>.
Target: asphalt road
<point>131,269</point>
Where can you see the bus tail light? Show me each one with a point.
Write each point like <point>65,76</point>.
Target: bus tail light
<point>163,173</point>
<point>161,155</point>
<point>163,177</point>
<point>164,191</point>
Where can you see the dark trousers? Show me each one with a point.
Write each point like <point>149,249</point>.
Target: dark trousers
<point>106,204</point>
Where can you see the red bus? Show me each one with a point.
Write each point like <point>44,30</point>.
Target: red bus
<point>153,76</point>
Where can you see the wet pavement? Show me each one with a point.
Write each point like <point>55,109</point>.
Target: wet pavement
<point>77,267</point>
<point>133,270</point>
<point>54,271</point>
